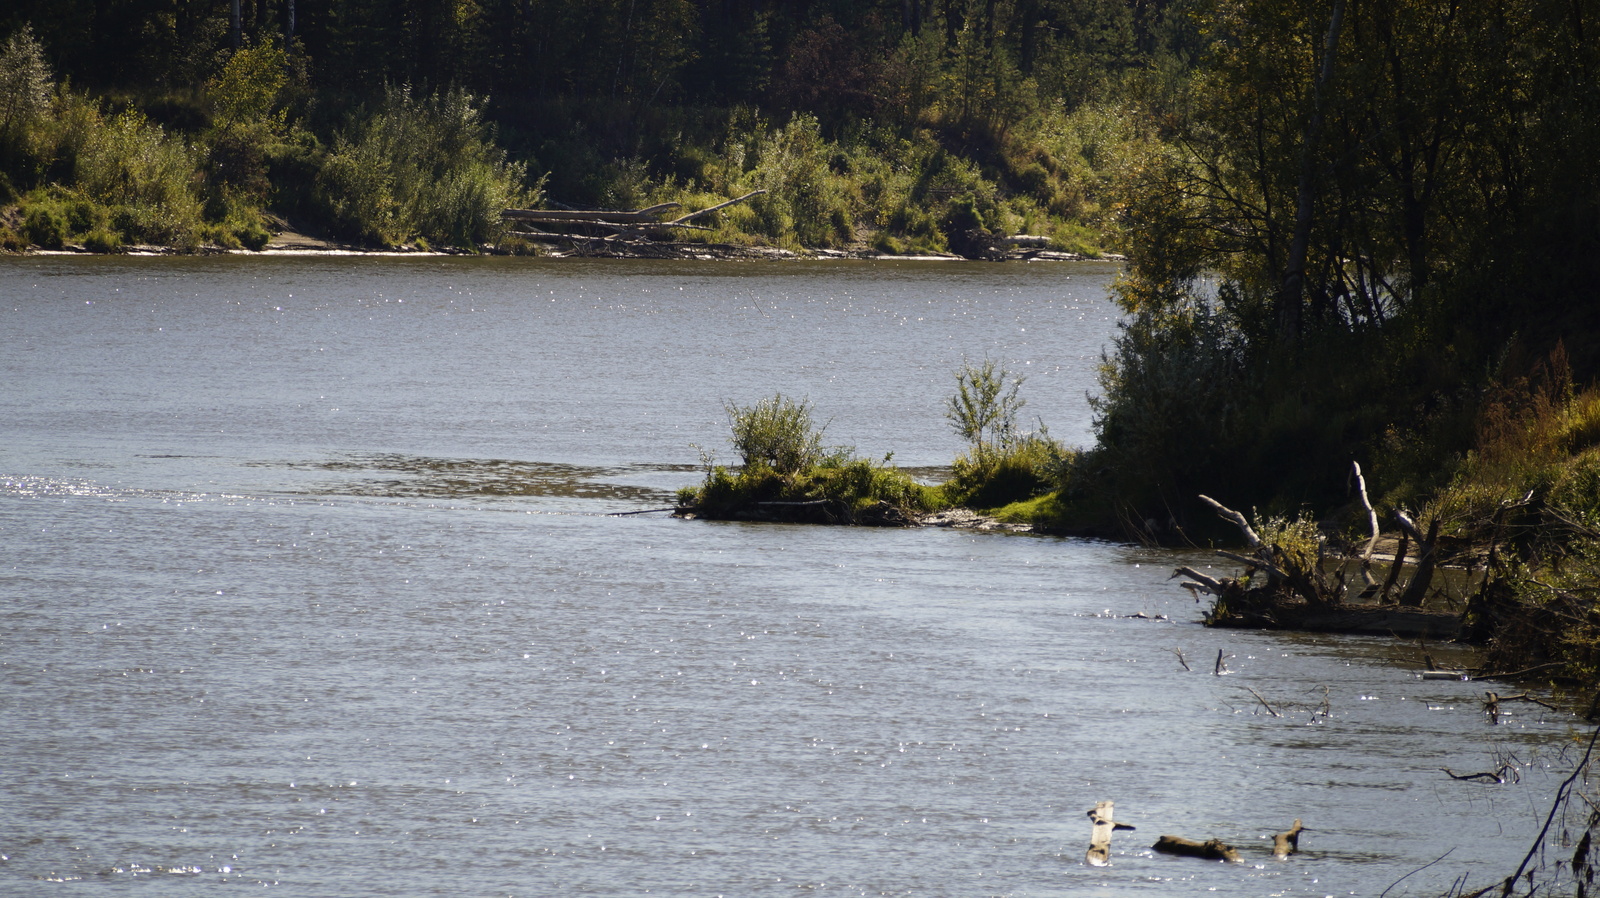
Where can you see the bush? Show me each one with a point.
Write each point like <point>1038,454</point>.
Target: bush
<point>784,463</point>
<point>1027,467</point>
<point>778,433</point>
<point>101,240</point>
<point>253,237</point>
<point>421,167</point>
<point>45,226</point>
<point>984,409</point>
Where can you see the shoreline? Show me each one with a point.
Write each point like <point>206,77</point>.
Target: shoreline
<point>291,243</point>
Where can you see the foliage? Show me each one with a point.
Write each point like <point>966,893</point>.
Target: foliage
<point>778,433</point>
<point>784,463</point>
<point>45,226</point>
<point>26,85</point>
<point>983,410</point>
<point>420,167</point>
<point>1025,467</point>
<point>248,89</point>
<point>1344,244</point>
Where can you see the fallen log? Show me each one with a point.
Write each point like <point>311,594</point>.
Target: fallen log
<point>1211,849</point>
<point>678,222</point>
<point>632,223</point>
<point>1099,854</point>
<point>582,216</point>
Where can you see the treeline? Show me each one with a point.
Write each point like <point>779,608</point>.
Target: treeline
<point>915,124</point>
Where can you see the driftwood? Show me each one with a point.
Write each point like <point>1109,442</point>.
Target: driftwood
<point>1491,703</point>
<point>1099,854</point>
<point>679,222</point>
<point>1427,558</point>
<point>626,224</point>
<point>1372,522</point>
<point>1496,776</point>
<point>1212,849</point>
<point>1288,841</point>
<point>1300,594</point>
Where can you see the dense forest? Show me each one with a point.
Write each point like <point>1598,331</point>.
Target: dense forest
<point>1355,231</point>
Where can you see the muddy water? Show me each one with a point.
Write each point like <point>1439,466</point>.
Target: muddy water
<point>309,579</point>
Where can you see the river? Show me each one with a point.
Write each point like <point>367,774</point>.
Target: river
<point>310,578</point>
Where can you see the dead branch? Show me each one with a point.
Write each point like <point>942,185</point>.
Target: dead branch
<point>1257,562</point>
<point>1264,703</point>
<point>1237,519</point>
<point>1527,698</point>
<point>1560,799</point>
<point>1372,521</point>
<point>1497,776</point>
<point>1201,581</point>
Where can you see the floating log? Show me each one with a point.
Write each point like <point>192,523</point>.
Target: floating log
<point>1212,849</point>
<point>1099,854</point>
<point>1288,841</point>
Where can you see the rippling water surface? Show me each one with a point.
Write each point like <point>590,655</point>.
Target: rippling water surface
<point>310,578</point>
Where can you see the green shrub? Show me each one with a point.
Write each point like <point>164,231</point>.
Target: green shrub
<point>253,236</point>
<point>101,240</point>
<point>983,410</point>
<point>84,216</point>
<point>425,167</point>
<point>777,432</point>
<point>45,226</point>
<point>1027,467</point>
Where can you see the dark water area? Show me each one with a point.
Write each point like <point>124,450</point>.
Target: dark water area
<point>310,578</point>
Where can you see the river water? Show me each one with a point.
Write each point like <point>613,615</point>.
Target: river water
<point>310,578</point>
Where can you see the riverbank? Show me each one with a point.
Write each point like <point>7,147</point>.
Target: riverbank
<point>290,242</point>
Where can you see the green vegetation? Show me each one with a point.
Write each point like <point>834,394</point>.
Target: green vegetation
<point>905,127</point>
<point>1004,466</point>
<point>787,475</point>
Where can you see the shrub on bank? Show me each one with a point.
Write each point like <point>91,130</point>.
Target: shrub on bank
<point>788,475</point>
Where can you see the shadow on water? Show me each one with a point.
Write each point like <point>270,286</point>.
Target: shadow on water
<point>399,476</point>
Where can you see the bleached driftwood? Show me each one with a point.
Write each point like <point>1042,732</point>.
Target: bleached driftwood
<point>1099,854</point>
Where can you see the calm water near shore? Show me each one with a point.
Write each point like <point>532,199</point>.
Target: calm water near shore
<point>310,579</point>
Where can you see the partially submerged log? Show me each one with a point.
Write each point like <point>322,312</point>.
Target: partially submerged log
<point>1211,849</point>
<point>1099,854</point>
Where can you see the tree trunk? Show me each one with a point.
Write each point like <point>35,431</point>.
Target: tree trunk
<point>1294,274</point>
